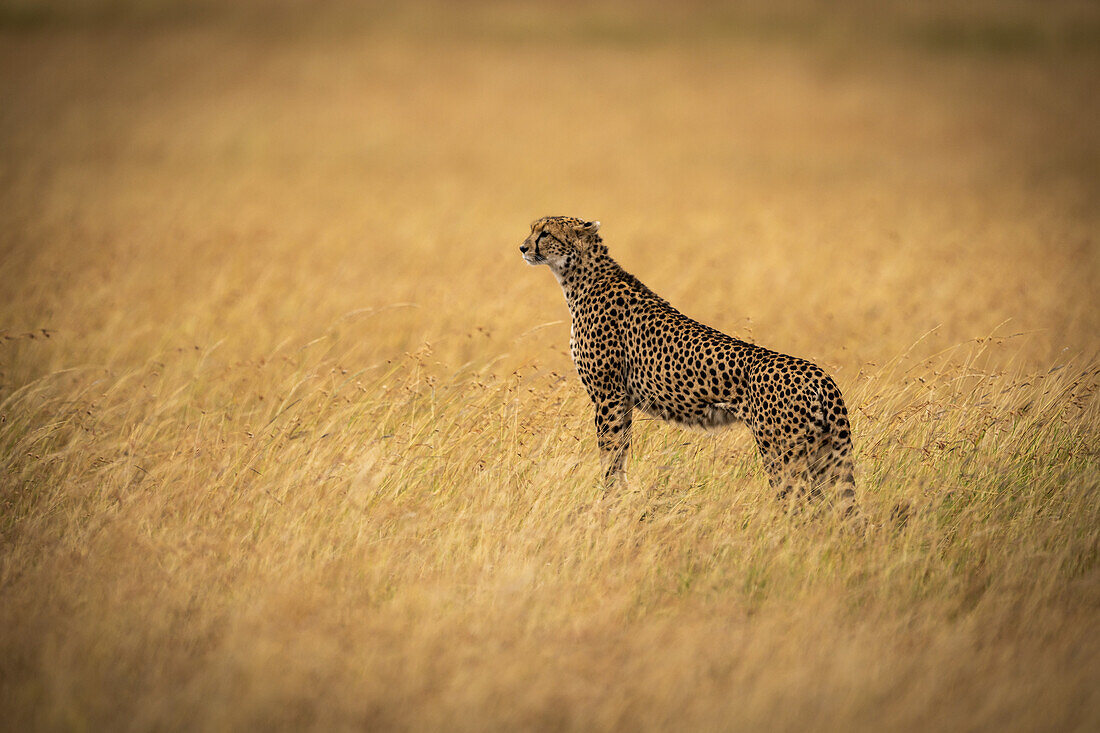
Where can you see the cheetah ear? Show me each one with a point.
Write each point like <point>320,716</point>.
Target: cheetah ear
<point>588,228</point>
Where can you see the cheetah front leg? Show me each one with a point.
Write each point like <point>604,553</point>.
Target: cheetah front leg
<point>614,413</point>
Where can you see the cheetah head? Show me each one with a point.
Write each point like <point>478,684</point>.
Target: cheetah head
<point>560,242</point>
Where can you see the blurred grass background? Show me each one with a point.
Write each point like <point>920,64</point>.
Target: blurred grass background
<point>291,436</point>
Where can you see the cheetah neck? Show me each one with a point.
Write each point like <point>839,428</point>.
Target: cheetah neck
<point>585,278</point>
<point>591,277</point>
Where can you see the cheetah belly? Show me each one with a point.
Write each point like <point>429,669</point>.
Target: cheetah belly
<point>688,409</point>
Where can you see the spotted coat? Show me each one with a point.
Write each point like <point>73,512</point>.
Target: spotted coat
<point>633,350</point>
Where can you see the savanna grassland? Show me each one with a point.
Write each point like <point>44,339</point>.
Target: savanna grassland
<point>291,437</point>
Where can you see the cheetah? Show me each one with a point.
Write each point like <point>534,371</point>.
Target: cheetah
<point>633,350</point>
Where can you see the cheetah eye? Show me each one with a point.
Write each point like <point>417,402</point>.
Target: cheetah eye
<point>541,235</point>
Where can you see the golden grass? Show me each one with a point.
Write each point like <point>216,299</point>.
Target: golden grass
<point>291,437</point>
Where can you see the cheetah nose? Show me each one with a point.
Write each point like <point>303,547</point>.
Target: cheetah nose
<point>523,248</point>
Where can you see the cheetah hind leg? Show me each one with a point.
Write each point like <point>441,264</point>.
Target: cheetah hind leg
<point>787,467</point>
<point>832,475</point>
<point>813,472</point>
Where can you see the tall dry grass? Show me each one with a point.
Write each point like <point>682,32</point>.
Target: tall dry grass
<point>291,437</point>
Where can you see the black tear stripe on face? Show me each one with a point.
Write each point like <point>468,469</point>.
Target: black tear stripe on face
<point>539,239</point>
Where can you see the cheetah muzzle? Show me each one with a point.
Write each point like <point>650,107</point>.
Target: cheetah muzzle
<point>633,350</point>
